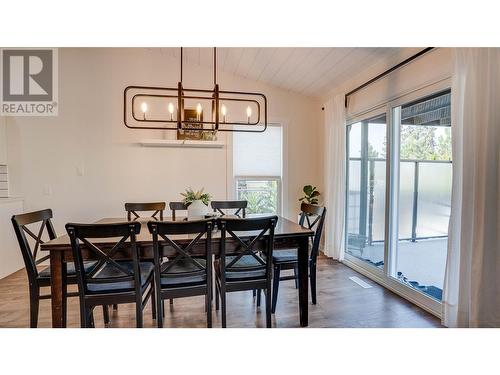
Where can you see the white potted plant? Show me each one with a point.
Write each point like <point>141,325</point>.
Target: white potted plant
<point>197,201</point>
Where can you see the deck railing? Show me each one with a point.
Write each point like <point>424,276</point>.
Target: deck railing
<point>428,190</point>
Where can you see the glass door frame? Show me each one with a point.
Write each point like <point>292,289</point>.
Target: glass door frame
<point>387,276</point>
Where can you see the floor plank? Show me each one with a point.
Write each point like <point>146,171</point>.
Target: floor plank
<point>341,303</point>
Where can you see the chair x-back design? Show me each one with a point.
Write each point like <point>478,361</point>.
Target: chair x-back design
<point>133,208</point>
<point>110,280</point>
<point>239,206</point>
<point>188,272</point>
<point>288,259</point>
<point>245,265</point>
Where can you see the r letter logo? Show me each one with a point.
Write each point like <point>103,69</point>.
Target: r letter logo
<point>29,82</point>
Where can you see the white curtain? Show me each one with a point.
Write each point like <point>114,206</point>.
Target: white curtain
<point>335,131</point>
<point>471,296</point>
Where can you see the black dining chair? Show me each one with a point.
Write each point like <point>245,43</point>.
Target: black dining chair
<point>239,206</point>
<point>287,259</point>
<point>133,208</point>
<point>189,271</point>
<point>242,263</point>
<point>39,279</point>
<point>177,206</point>
<point>111,280</point>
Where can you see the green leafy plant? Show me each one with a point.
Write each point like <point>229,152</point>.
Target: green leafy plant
<point>311,194</point>
<point>190,195</point>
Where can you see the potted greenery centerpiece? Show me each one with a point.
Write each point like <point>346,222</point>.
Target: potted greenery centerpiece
<point>197,201</point>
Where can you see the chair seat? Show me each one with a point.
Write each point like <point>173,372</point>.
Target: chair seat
<point>244,262</point>
<point>285,256</point>
<point>180,274</point>
<point>146,271</point>
<point>70,267</point>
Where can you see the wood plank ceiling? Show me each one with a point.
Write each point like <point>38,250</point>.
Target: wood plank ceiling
<point>308,71</point>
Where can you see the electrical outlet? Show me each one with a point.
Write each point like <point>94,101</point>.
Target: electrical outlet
<point>80,170</point>
<point>47,190</point>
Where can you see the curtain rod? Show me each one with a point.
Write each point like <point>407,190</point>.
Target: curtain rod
<point>381,75</point>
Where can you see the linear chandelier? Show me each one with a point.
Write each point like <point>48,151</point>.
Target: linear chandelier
<point>164,108</point>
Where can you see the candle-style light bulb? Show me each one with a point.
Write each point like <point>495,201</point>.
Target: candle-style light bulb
<point>198,111</point>
<point>224,111</point>
<point>171,111</point>
<point>144,109</point>
<point>249,113</point>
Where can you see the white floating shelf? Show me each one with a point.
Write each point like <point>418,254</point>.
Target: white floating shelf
<point>181,143</point>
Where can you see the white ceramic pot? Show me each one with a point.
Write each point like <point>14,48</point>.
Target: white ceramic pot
<point>197,209</point>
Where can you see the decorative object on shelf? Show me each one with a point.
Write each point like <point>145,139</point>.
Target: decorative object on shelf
<point>191,130</point>
<point>163,108</point>
<point>198,202</point>
<point>311,194</point>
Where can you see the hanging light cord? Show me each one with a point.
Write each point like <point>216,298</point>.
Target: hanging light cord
<point>215,65</point>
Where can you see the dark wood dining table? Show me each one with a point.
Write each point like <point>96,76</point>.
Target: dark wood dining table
<point>287,235</point>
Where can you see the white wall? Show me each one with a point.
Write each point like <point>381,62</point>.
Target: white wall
<point>11,259</point>
<point>45,153</point>
<point>3,142</point>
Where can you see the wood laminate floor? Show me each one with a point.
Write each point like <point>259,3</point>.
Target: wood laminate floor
<point>341,304</point>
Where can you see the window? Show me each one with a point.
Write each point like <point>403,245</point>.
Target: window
<point>261,193</point>
<point>257,165</point>
<point>398,199</point>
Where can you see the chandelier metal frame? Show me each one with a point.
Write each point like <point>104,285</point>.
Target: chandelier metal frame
<point>216,96</point>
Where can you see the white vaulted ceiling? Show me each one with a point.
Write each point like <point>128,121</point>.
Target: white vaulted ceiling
<point>309,71</point>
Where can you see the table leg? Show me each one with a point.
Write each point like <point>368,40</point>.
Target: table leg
<point>56,289</point>
<point>303,260</point>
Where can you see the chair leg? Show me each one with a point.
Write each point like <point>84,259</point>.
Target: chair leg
<point>34,306</point>
<point>258,297</point>
<point>86,318</point>
<point>223,312</point>
<point>254,293</point>
<point>153,300</point>
<point>138,314</point>
<point>105,313</point>
<point>217,298</point>
<point>171,301</point>
<point>312,276</point>
<point>296,274</point>
<point>276,284</point>
<point>115,307</point>
<point>83,315</point>
<point>160,308</point>
<point>64,301</point>
<point>208,308</point>
<point>89,319</point>
<point>268,306</point>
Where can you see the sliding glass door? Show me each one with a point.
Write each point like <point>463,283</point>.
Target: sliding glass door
<point>366,190</point>
<point>424,197</point>
<point>399,194</point>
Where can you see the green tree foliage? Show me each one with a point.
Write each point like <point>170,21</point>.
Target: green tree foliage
<point>421,143</point>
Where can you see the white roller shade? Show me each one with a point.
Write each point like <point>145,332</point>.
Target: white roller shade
<point>257,154</point>
<point>427,69</point>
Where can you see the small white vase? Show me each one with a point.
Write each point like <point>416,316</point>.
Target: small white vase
<point>197,209</point>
